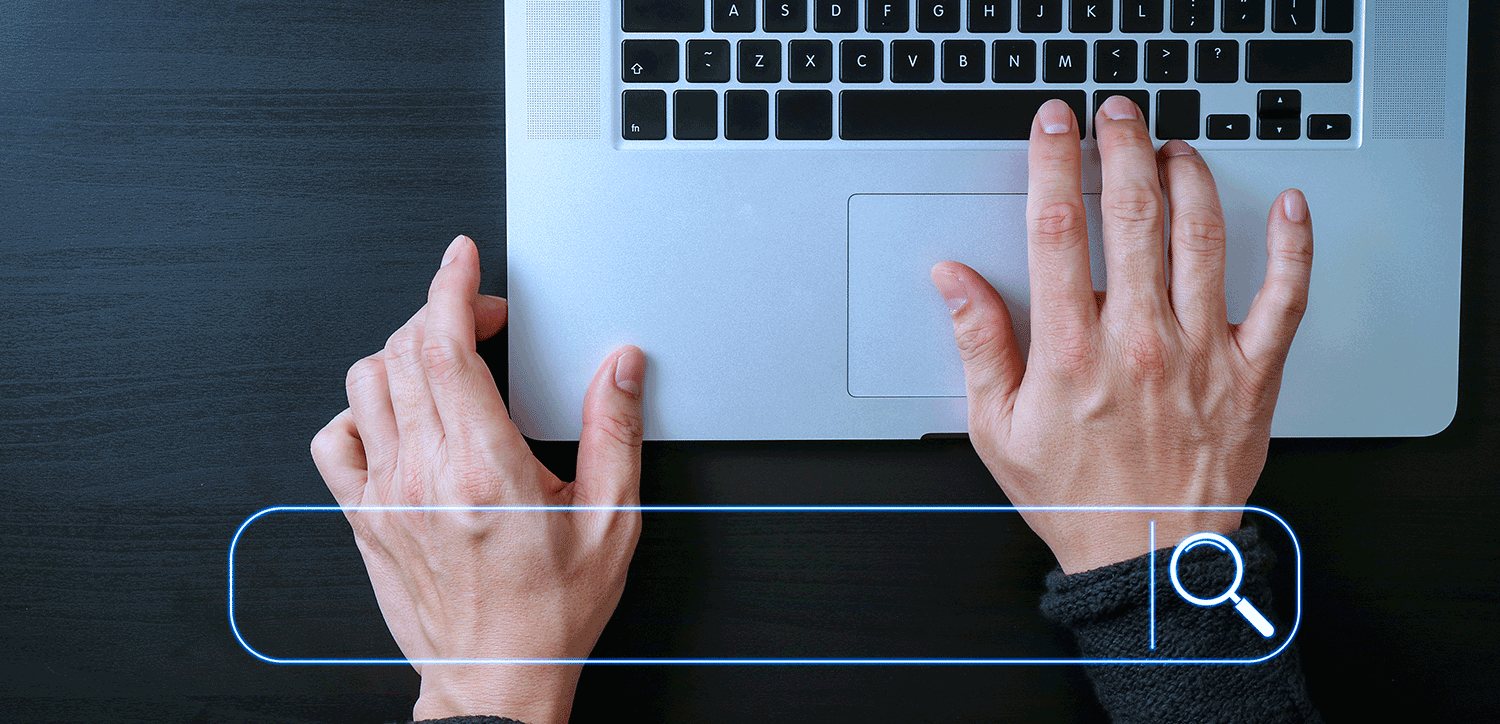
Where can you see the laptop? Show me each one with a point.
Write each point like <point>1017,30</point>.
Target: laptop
<point>754,191</point>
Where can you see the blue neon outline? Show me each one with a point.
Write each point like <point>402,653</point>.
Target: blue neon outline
<point>1291,634</point>
<point>1151,582</point>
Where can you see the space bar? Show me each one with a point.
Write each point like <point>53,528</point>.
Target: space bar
<point>946,115</point>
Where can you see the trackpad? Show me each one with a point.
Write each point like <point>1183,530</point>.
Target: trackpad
<point>900,334</point>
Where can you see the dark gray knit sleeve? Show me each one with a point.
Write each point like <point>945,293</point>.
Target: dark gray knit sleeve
<point>471,720</point>
<point>1107,610</point>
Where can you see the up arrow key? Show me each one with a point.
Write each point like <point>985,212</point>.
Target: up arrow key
<point>636,69</point>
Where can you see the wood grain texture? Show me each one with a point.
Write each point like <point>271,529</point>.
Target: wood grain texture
<point>210,209</point>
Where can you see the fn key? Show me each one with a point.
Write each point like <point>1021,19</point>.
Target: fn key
<point>645,115</point>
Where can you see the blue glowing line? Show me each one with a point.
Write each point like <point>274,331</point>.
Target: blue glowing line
<point>1296,547</point>
<point>1151,582</point>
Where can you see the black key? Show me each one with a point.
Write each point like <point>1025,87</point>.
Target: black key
<point>1329,127</point>
<point>695,115</point>
<point>1194,16</point>
<point>1015,61</point>
<point>746,114</point>
<point>837,16</point>
<point>789,16</point>
<point>645,115</point>
<point>809,61</point>
<point>734,16</point>
<point>937,16</point>
<point>989,16</point>
<point>1278,103</point>
<point>912,61</point>
<point>1177,115</point>
<point>661,16</point>
<point>1278,129</point>
<point>1040,16</point>
<point>1065,61</point>
<point>648,61</point>
<point>1338,17</point>
<point>1218,61</point>
<point>859,61</point>
<point>1114,61</point>
<point>886,16</point>
<point>1091,16</point>
<point>1141,16</point>
<point>1293,16</point>
<point>804,115</point>
<point>1299,61</point>
<point>760,61</point>
<point>1244,16</point>
<point>963,61</point>
<point>946,115</point>
<point>1141,99</point>
<point>1228,127</point>
<point>1166,61</point>
<point>708,61</point>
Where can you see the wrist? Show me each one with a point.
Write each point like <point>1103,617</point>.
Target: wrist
<point>535,694</point>
<point>1101,540</point>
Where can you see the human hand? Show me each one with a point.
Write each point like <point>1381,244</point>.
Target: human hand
<point>1149,396</point>
<point>426,427</point>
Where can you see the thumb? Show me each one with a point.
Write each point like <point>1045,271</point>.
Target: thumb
<point>609,450</point>
<point>993,365</point>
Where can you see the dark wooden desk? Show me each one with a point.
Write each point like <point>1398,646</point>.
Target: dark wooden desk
<point>209,210</point>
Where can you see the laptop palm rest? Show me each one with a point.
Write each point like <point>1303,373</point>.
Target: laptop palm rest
<point>900,334</point>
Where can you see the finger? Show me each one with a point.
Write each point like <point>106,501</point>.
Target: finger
<point>419,430</point>
<point>1266,334</point>
<point>490,314</point>
<point>370,407</point>
<point>1196,250</point>
<point>1062,290</point>
<point>993,365</point>
<point>340,458</point>
<point>1132,207</point>
<point>609,451</point>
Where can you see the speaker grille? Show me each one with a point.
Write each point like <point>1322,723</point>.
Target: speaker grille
<point>562,69</point>
<point>1409,52</point>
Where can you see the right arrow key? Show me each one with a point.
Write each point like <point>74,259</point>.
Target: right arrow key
<point>1329,127</point>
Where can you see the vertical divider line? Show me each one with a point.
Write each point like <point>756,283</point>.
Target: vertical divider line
<point>1151,583</point>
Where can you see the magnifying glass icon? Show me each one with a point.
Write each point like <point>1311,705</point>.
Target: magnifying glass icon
<point>1242,605</point>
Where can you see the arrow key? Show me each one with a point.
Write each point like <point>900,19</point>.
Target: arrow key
<point>1279,129</point>
<point>1228,127</point>
<point>1331,127</point>
<point>648,61</point>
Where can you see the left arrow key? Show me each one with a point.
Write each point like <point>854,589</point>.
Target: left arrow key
<point>648,61</point>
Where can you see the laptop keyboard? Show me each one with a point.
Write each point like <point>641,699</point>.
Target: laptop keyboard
<point>1238,73</point>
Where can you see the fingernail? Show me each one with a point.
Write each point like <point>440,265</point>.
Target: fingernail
<point>952,289</point>
<point>1055,117</point>
<point>1179,148</point>
<point>630,370</point>
<point>1117,108</point>
<point>452,251</point>
<point>1295,206</point>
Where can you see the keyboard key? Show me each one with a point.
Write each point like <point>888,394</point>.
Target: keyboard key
<point>912,61</point>
<point>1278,103</point>
<point>1293,16</point>
<point>804,115</point>
<point>695,115</point>
<point>708,61</point>
<point>760,61</point>
<point>1015,61</point>
<point>1166,61</point>
<point>661,16</point>
<point>790,16</point>
<point>989,16</point>
<point>746,115</point>
<point>1040,16</point>
<point>886,16</point>
<point>1114,61</point>
<point>1065,61</point>
<point>645,115</point>
<point>809,61</point>
<point>1194,16</point>
<point>963,61</point>
<point>1329,127</point>
<point>648,61</point>
<point>1141,16</point>
<point>937,16</point>
<point>1177,115</point>
<point>1245,16</point>
<point>1228,127</point>
<point>946,115</point>
<point>1299,61</point>
<point>734,16</point>
<point>1218,61</point>
<point>1338,16</point>
<point>1278,129</point>
<point>1141,99</point>
<point>837,16</point>
<point>1091,16</point>
<point>860,61</point>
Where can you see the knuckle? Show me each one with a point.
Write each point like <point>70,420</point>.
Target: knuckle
<point>367,371</point>
<point>976,341</point>
<point>443,359</point>
<point>624,430</point>
<point>1069,352</point>
<point>1299,253</point>
<point>403,346</point>
<point>1145,354</point>
<point>1135,203</point>
<point>1199,231</point>
<point>323,444</point>
<point>410,485</point>
<point>1059,224</point>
